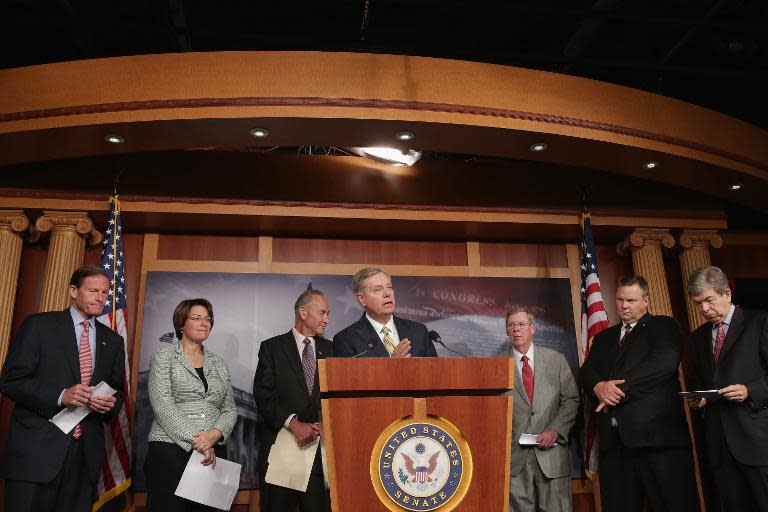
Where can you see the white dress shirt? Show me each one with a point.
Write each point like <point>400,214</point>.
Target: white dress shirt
<point>519,359</point>
<point>389,325</point>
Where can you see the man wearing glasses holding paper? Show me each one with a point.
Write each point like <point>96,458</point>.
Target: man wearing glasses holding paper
<point>730,354</point>
<point>54,361</point>
<point>546,400</point>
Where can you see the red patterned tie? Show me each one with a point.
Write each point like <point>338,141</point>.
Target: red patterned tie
<point>527,378</point>
<point>86,366</point>
<point>719,340</point>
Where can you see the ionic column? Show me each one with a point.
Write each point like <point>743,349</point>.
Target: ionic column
<point>69,232</point>
<point>645,246</point>
<point>12,224</point>
<point>695,244</point>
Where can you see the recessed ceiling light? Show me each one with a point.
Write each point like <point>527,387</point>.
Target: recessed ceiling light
<point>735,186</point>
<point>650,165</point>
<point>259,133</point>
<point>539,146</point>
<point>405,136</point>
<point>114,139</point>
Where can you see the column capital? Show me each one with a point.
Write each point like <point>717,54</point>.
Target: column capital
<point>14,220</point>
<point>645,237</point>
<point>78,222</point>
<point>690,238</point>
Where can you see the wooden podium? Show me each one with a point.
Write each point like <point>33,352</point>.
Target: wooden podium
<point>384,417</point>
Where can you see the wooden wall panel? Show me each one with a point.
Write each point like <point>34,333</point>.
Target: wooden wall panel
<point>612,266</point>
<point>741,261</point>
<point>208,248</point>
<point>676,289</point>
<point>31,272</point>
<point>583,502</point>
<point>133,245</point>
<point>382,252</point>
<point>522,255</point>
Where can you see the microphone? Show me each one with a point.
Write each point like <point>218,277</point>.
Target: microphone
<point>367,349</point>
<point>436,339</point>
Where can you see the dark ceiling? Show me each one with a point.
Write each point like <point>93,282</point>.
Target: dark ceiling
<point>712,53</point>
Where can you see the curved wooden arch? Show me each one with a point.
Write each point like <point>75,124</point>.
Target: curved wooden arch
<point>78,102</point>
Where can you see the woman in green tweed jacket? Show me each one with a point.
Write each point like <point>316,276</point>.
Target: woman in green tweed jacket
<point>190,390</point>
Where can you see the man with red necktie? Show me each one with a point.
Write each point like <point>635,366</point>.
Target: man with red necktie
<point>632,375</point>
<point>730,354</point>
<point>53,362</point>
<point>546,400</point>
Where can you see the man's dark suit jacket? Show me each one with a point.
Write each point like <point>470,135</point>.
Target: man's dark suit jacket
<point>354,339</point>
<point>42,362</point>
<point>281,389</point>
<point>651,413</point>
<point>743,360</point>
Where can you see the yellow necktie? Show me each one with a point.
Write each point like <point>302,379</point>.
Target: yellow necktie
<point>388,343</point>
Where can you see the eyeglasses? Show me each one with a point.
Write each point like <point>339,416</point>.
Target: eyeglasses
<point>200,319</point>
<point>517,325</point>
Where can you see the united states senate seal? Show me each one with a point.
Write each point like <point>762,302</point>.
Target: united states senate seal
<point>421,466</point>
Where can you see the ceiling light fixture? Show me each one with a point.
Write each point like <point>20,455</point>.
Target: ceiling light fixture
<point>539,146</point>
<point>259,133</point>
<point>405,136</point>
<point>114,139</point>
<point>735,186</point>
<point>650,165</point>
<point>392,156</point>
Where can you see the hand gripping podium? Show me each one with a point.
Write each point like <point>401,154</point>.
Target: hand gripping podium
<point>417,434</point>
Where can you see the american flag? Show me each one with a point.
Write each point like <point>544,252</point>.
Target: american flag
<point>593,320</point>
<point>116,470</point>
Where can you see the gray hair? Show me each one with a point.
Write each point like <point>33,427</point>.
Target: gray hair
<point>306,297</point>
<point>707,277</point>
<point>520,309</point>
<point>359,279</point>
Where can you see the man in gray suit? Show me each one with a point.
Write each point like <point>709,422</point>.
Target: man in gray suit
<point>546,400</point>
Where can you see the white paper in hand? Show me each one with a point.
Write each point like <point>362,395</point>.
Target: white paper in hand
<point>71,416</point>
<point>529,439</point>
<point>213,487</point>
<point>290,465</point>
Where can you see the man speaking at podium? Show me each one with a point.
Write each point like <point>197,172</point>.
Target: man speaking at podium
<point>379,333</point>
<point>546,400</point>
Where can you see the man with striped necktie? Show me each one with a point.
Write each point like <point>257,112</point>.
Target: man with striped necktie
<point>379,333</point>
<point>53,362</point>
<point>287,392</point>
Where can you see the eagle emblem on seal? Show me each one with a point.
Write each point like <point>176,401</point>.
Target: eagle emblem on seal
<point>421,474</point>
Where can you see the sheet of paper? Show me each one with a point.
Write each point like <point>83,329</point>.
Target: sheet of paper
<point>528,439</point>
<point>290,465</point>
<point>213,487</point>
<point>704,393</point>
<point>324,460</point>
<point>71,416</point>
